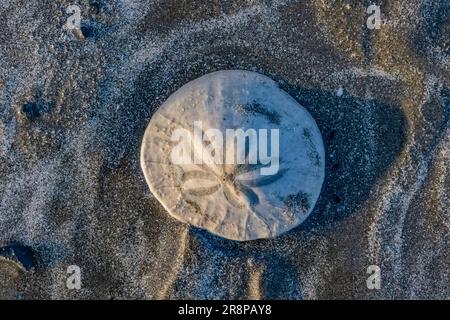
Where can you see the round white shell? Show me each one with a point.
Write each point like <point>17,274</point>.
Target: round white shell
<point>236,201</point>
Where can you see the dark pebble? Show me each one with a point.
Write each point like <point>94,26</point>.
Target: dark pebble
<point>35,110</point>
<point>19,254</point>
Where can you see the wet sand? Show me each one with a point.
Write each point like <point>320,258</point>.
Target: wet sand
<point>74,107</point>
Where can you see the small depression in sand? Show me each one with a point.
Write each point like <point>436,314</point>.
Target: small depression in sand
<point>232,153</point>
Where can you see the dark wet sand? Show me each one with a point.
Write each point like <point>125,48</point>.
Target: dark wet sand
<point>73,113</point>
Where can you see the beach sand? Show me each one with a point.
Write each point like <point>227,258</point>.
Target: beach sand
<point>74,107</point>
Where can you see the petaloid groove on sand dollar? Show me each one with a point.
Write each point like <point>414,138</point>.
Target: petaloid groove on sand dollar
<point>232,153</point>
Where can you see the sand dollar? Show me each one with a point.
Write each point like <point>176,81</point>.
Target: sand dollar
<point>232,153</point>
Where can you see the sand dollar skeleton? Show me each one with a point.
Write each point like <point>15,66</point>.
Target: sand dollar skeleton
<point>278,169</point>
